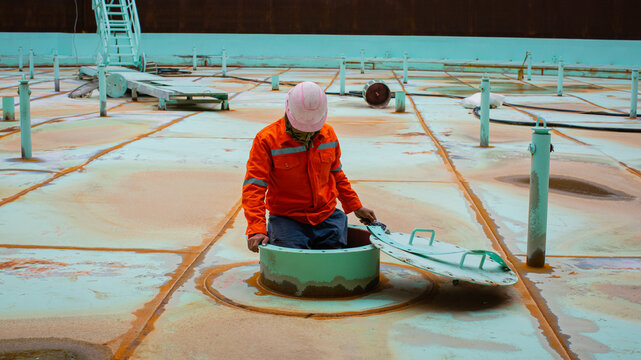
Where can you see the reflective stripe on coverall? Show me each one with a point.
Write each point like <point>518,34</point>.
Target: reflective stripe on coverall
<point>301,183</point>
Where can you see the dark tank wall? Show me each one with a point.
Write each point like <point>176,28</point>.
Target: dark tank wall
<point>579,19</point>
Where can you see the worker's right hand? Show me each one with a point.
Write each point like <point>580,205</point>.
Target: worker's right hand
<point>255,240</point>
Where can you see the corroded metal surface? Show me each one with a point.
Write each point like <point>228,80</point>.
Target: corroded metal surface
<point>241,287</point>
<point>108,236</point>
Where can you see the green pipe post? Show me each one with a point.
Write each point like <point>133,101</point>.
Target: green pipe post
<point>539,185</point>
<point>224,62</point>
<point>8,109</point>
<point>25,118</point>
<point>400,101</point>
<point>31,72</point>
<point>405,68</point>
<point>193,58</point>
<point>275,82</point>
<point>342,75</point>
<point>559,84</point>
<point>20,58</point>
<point>362,61</point>
<point>529,65</point>
<point>102,88</point>
<point>634,93</point>
<point>485,110</point>
<point>56,72</point>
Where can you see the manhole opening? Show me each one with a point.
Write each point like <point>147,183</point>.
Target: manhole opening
<point>573,186</point>
<point>52,349</point>
<point>296,273</point>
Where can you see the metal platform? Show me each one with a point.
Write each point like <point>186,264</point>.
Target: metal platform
<point>168,91</point>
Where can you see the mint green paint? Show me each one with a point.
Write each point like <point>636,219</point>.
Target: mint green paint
<point>321,266</point>
<point>194,62</point>
<point>405,68</point>
<point>56,72</point>
<point>25,118</point>
<point>362,61</point>
<point>102,88</point>
<point>31,64</point>
<point>604,52</point>
<point>20,58</point>
<point>275,83</point>
<point>539,186</point>
<point>342,75</point>
<point>399,96</point>
<point>485,111</point>
<point>529,65</point>
<point>559,83</point>
<point>8,108</point>
<point>224,62</point>
<point>634,93</point>
<point>119,30</point>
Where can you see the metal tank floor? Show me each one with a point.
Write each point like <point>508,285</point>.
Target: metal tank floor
<point>109,235</point>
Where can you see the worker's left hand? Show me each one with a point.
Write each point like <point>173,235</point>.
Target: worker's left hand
<point>365,215</point>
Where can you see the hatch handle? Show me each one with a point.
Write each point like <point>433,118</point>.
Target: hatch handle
<point>422,230</point>
<point>494,256</point>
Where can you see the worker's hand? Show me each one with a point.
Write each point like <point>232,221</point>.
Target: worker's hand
<point>365,215</point>
<point>255,240</point>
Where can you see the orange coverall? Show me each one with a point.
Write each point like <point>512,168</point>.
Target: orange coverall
<point>301,183</point>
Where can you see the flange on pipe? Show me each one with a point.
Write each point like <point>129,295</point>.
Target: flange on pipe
<point>377,94</point>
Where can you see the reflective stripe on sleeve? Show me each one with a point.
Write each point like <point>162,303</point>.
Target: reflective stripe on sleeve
<point>255,181</point>
<point>338,168</point>
<point>327,145</point>
<point>289,150</point>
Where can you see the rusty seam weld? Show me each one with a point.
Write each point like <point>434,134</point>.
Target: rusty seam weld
<point>332,81</point>
<point>57,119</point>
<point>490,230</point>
<point>129,345</point>
<point>127,348</point>
<point>54,247</point>
<point>75,168</point>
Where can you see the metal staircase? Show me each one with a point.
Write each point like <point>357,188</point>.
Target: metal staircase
<point>119,30</point>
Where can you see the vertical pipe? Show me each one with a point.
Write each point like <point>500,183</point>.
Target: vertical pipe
<point>193,58</point>
<point>20,58</point>
<point>539,186</point>
<point>56,72</point>
<point>485,110</point>
<point>634,94</point>
<point>102,88</point>
<point>405,68</point>
<point>342,75</point>
<point>31,72</point>
<point>8,108</point>
<point>362,61</point>
<point>559,84</point>
<point>529,65</point>
<point>224,62</point>
<point>275,82</point>
<point>25,118</point>
<point>400,101</point>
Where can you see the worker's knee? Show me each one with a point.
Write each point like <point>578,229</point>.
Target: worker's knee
<point>285,232</point>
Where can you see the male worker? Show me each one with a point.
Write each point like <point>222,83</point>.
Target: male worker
<point>296,160</point>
